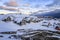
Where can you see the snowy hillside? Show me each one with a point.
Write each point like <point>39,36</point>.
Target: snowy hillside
<point>15,22</point>
<point>24,21</point>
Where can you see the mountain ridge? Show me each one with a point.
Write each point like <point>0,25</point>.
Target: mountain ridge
<point>55,13</point>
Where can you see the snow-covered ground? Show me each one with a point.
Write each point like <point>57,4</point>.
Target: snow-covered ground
<point>11,26</point>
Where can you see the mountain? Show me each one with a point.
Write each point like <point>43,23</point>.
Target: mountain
<point>55,13</point>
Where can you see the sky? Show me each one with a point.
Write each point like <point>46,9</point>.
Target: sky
<point>30,5</point>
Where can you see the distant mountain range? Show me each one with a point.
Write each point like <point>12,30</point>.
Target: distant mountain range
<point>55,13</point>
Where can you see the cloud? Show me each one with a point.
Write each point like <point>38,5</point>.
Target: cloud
<point>1,7</point>
<point>55,3</point>
<point>11,3</point>
<point>7,8</point>
<point>27,4</point>
<point>11,9</point>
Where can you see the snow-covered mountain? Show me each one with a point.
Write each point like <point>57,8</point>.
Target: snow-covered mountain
<point>25,20</point>
<point>24,24</point>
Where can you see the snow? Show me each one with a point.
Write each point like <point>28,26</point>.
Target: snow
<point>1,17</point>
<point>56,36</point>
<point>11,26</point>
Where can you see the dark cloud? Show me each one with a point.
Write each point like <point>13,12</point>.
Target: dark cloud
<point>55,2</point>
<point>2,7</point>
<point>6,8</point>
<point>11,9</point>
